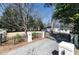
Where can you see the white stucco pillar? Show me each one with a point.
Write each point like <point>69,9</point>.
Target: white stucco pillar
<point>43,34</point>
<point>29,36</point>
<point>66,48</point>
<point>72,37</point>
<point>76,40</point>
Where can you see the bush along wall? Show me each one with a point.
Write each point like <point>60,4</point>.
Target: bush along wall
<point>18,39</point>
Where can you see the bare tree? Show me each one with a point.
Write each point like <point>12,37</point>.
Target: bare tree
<point>19,15</point>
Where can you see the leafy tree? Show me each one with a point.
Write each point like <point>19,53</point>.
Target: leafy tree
<point>11,19</point>
<point>31,23</point>
<point>34,24</point>
<point>39,24</point>
<point>68,13</point>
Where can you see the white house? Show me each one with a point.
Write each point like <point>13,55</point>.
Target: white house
<point>58,28</point>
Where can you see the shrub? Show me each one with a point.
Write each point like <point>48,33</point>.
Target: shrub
<point>18,38</point>
<point>34,34</point>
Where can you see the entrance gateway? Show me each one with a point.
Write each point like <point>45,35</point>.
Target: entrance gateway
<point>30,34</point>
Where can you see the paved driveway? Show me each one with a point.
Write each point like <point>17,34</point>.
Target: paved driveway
<point>41,47</point>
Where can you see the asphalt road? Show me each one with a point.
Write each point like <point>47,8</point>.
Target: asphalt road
<point>41,47</point>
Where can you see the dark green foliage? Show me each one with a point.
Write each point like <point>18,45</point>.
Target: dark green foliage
<point>34,24</point>
<point>34,34</point>
<point>68,13</point>
<point>11,19</point>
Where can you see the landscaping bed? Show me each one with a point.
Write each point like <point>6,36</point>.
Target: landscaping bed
<point>10,44</point>
<point>36,35</point>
